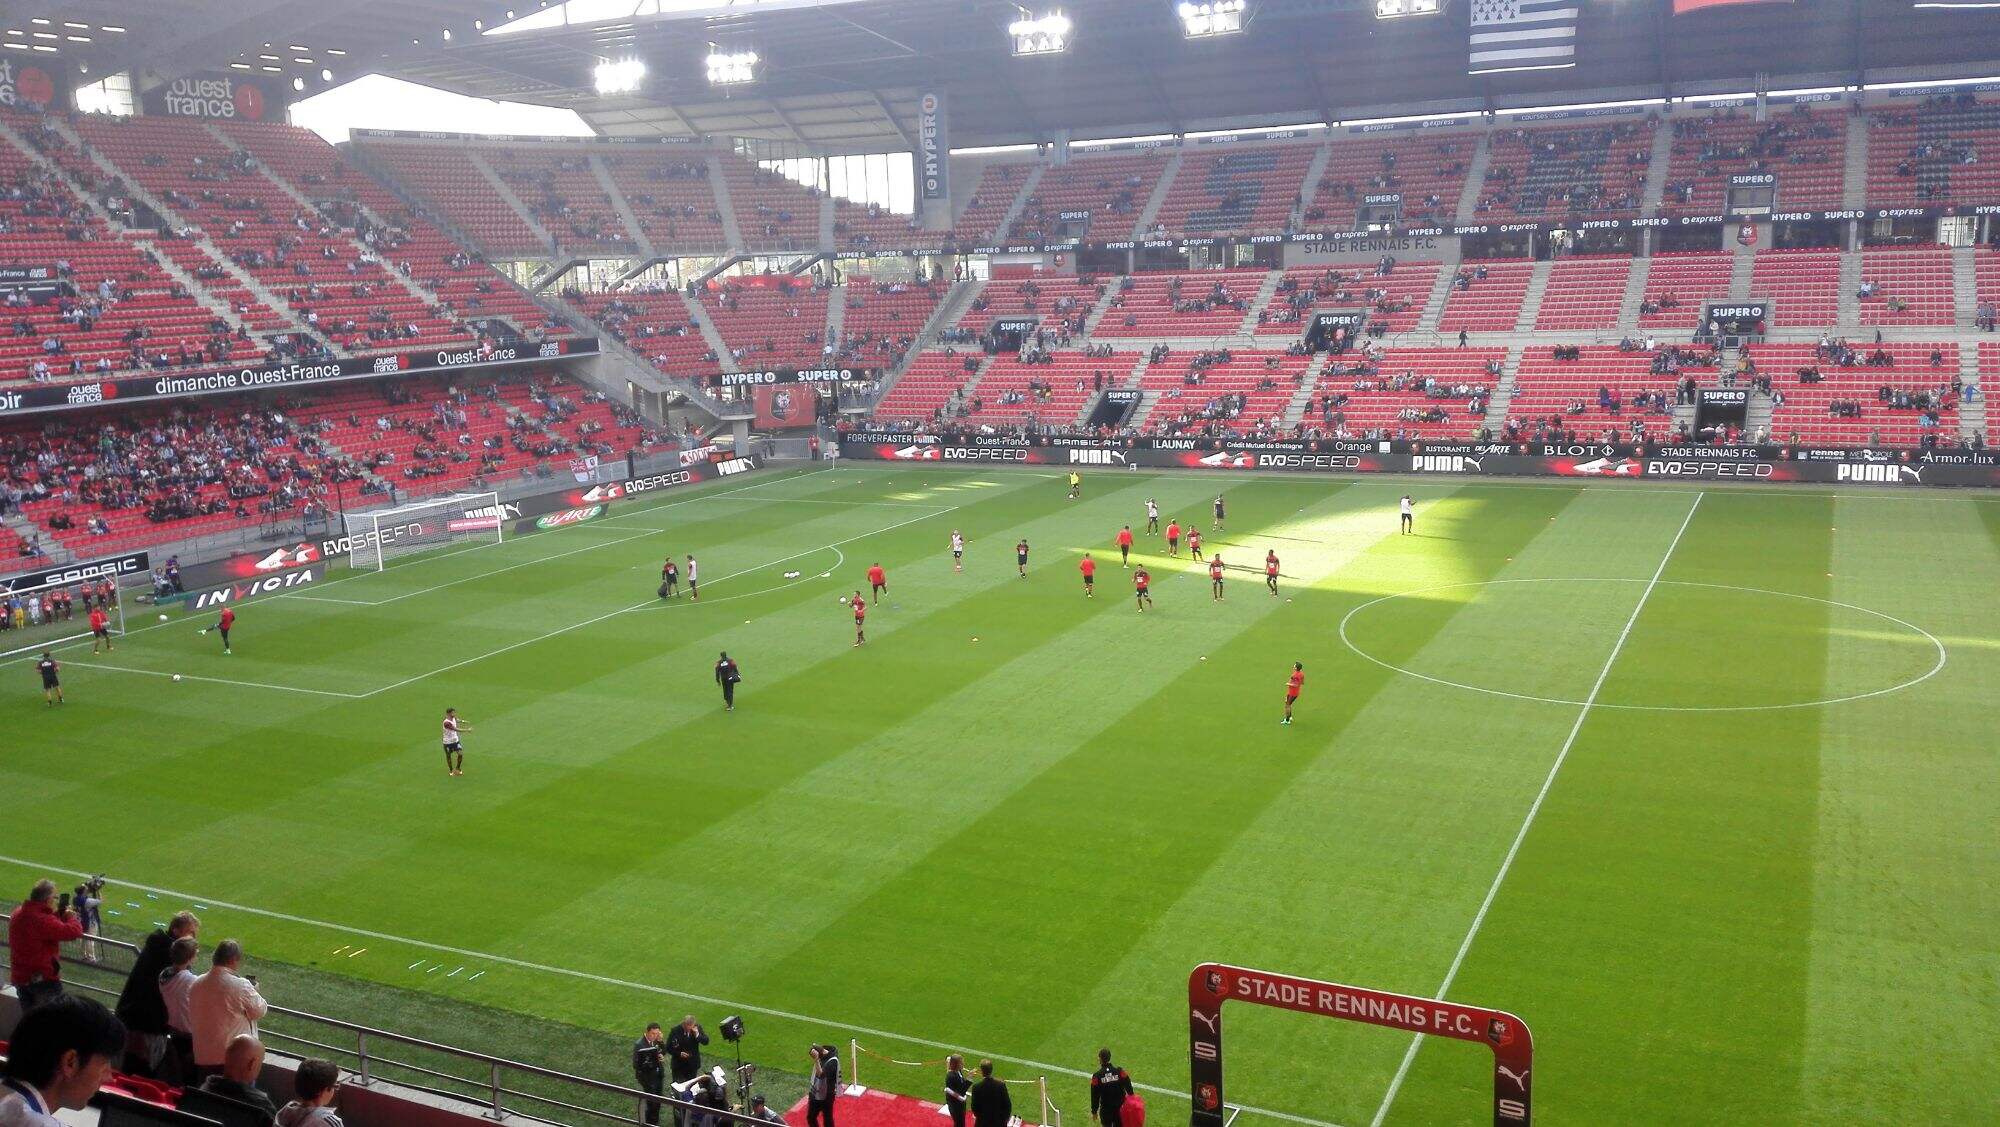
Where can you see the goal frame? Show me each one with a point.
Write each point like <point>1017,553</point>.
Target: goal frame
<point>367,550</point>
<point>1211,984</point>
<point>52,633</point>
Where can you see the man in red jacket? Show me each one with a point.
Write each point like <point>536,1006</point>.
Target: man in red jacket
<point>35,935</point>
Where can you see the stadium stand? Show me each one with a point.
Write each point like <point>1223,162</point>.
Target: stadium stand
<point>1222,391</point>
<point>1235,189</point>
<point>1043,389</point>
<point>1596,395</point>
<point>1394,300</point>
<point>1803,285</point>
<point>998,184</point>
<point>871,226</point>
<point>1056,300</point>
<point>1805,149</point>
<point>1486,295</point>
<point>1405,393</point>
<point>672,198</point>
<point>1428,171</point>
<point>1584,292</point>
<point>1900,394</point>
<point>1202,304</point>
<point>657,323</point>
<point>928,386</point>
<point>446,177</point>
<point>772,211</point>
<point>778,324</point>
<point>1552,173</point>
<point>1907,286</point>
<point>1946,149</point>
<point>1678,284</point>
<point>882,319</point>
<point>1113,189</point>
<point>564,194</point>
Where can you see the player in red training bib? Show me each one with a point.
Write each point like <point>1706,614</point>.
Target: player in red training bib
<point>100,629</point>
<point>1173,537</point>
<point>1194,543</point>
<point>1271,571</point>
<point>1215,577</point>
<point>878,582</point>
<point>1089,569</point>
<point>1296,682</point>
<point>1124,541</point>
<point>860,616</point>
<point>223,623</point>
<point>1142,588</point>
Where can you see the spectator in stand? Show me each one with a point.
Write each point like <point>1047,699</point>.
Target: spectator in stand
<point>36,932</point>
<point>991,1105</point>
<point>223,1005</point>
<point>1110,1087</point>
<point>242,1064</point>
<point>315,1086</point>
<point>175,984</point>
<point>140,1004</point>
<point>61,1052</point>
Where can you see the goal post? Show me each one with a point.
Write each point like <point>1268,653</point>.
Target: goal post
<point>1211,984</point>
<point>377,536</point>
<point>46,613</point>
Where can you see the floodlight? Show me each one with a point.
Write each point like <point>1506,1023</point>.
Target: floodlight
<point>732,68</point>
<point>1047,34</point>
<point>1396,9</point>
<point>1212,17</point>
<point>619,77</point>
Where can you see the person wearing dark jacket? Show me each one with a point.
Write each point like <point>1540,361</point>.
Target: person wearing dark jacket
<point>649,1069</point>
<point>823,1085</point>
<point>35,935</point>
<point>991,1105</point>
<point>684,1049</point>
<point>1110,1087</point>
<point>727,675</point>
<point>140,1005</point>
<point>957,1086</point>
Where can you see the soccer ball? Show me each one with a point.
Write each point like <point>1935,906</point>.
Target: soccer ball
<point>843,600</point>
<point>204,631</point>
<point>177,676</point>
<point>163,618</point>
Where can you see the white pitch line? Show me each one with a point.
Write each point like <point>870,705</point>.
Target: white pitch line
<point>626,984</point>
<point>509,648</point>
<point>484,574</point>
<point>1534,808</point>
<point>217,680</point>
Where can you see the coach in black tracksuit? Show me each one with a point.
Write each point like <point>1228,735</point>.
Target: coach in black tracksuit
<point>649,1068</point>
<point>726,675</point>
<point>1109,1086</point>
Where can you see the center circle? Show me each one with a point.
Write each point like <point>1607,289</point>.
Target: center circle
<point>1734,648</point>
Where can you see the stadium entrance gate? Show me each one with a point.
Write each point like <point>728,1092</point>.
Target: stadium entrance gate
<point>1212,984</point>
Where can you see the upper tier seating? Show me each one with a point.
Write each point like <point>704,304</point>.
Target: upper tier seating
<point>1397,304</point>
<point>998,184</point>
<point>657,325</point>
<point>1489,304</point>
<point>1678,284</point>
<point>1236,391</point>
<point>446,176</point>
<point>1986,280</point>
<point>670,194</point>
<point>1412,393</point>
<point>1594,392</point>
<point>1586,172</point>
<point>566,197</point>
<point>769,326</point>
<point>881,321</point>
<point>1912,286</point>
<point>1113,189</point>
<point>1875,393</point>
<point>1207,303</point>
<point>1945,150</point>
<point>1428,171</point>
<point>1044,394</point>
<point>1803,285</point>
<point>1806,150</point>
<point>1584,292</point>
<point>1235,190</point>
<point>873,227</point>
<point>773,211</point>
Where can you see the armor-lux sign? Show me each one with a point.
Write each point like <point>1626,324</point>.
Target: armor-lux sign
<point>1212,984</point>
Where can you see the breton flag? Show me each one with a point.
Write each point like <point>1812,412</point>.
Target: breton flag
<point>1522,35</point>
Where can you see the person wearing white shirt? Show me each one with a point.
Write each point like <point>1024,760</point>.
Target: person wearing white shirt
<point>60,1054</point>
<point>222,1005</point>
<point>175,982</point>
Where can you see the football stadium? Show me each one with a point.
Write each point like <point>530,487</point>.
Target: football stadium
<point>920,561</point>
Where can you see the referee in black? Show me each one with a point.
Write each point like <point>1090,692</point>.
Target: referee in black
<point>649,1068</point>
<point>726,675</point>
<point>1109,1089</point>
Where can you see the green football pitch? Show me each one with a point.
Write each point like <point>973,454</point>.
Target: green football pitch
<point>1700,783</point>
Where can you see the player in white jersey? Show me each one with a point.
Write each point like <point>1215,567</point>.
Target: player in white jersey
<point>1409,515</point>
<point>1152,517</point>
<point>694,580</point>
<point>957,551</point>
<point>454,753</point>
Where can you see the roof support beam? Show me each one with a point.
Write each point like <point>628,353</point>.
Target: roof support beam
<point>889,115</point>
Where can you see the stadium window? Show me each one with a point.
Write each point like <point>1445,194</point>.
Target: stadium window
<point>111,96</point>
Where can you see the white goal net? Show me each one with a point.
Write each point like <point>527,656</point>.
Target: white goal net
<point>39,616</point>
<point>380,535</point>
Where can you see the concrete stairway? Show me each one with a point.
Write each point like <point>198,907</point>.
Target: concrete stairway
<point>1301,401</point>
<point>825,229</point>
<point>1656,168</point>
<point>1440,293</point>
<point>1854,174</point>
<point>1964,287</point>
<point>1322,156</point>
<point>712,335</point>
<point>1102,306</point>
<point>1635,294</point>
<point>623,207</point>
<point>719,184</point>
<point>1740,268</point>
<point>1503,391</point>
<point>133,188</point>
<point>1020,204</point>
<point>506,193</point>
<point>1531,301</point>
<point>196,287</point>
<point>1475,177</point>
<point>1850,282</point>
<point>1151,211</point>
<point>1971,413</point>
<point>836,315</point>
<point>1266,290</point>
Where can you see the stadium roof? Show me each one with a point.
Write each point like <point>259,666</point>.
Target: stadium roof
<point>844,75</point>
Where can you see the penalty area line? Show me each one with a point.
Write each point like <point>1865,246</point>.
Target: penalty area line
<point>627,984</point>
<point>216,680</point>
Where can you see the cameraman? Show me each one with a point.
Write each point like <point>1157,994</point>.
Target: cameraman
<point>89,904</point>
<point>36,932</point>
